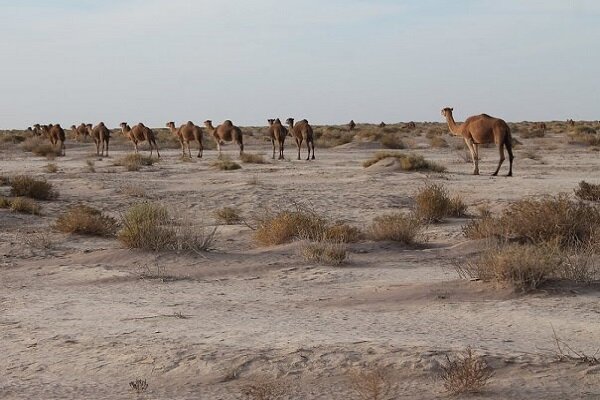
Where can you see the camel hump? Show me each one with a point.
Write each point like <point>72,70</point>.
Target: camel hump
<point>227,122</point>
<point>486,116</point>
<point>190,123</point>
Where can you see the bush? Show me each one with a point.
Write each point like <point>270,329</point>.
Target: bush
<point>131,162</point>
<point>228,215</point>
<point>467,373</point>
<point>408,162</point>
<point>588,191</point>
<point>324,251</point>
<point>342,233</point>
<point>535,133</point>
<point>40,147</point>
<point>396,227</point>
<point>585,139</point>
<point>433,204</point>
<point>250,158</point>
<point>28,186</point>
<point>25,206</point>
<point>225,164</point>
<point>289,225</point>
<point>372,383</point>
<point>438,142</point>
<point>86,220</point>
<point>51,168</point>
<point>550,219</point>
<point>392,141</point>
<point>584,129</point>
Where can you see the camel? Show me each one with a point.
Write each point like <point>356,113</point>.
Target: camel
<point>80,131</point>
<point>542,126</point>
<point>302,131</point>
<point>482,129</point>
<point>382,124</point>
<point>187,133</point>
<point>410,125</point>
<point>37,130</point>
<point>101,136</point>
<point>278,133</point>
<point>139,133</point>
<point>226,132</point>
<point>56,134</point>
<point>570,122</point>
<point>351,125</point>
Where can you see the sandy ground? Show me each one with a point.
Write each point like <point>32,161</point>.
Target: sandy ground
<point>85,317</point>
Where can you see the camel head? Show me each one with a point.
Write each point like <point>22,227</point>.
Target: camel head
<point>73,128</point>
<point>447,112</point>
<point>290,121</point>
<point>208,124</point>
<point>277,121</point>
<point>36,126</point>
<point>271,121</point>
<point>170,125</point>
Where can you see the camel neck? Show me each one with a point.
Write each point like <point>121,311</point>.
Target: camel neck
<point>452,124</point>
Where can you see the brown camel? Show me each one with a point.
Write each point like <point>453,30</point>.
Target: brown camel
<point>302,131</point>
<point>483,129</point>
<point>570,122</point>
<point>187,133</point>
<point>226,132</point>
<point>411,125</point>
<point>542,127</point>
<point>101,136</point>
<point>278,133</point>
<point>382,124</point>
<point>80,131</point>
<point>351,125</point>
<point>56,134</point>
<point>140,133</point>
<point>37,130</point>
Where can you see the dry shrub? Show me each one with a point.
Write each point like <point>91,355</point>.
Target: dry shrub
<point>433,204</point>
<point>467,373</point>
<point>586,139</point>
<point>332,137</point>
<point>438,142</point>
<point>408,162</point>
<point>324,251</point>
<point>225,164</point>
<point>148,226</point>
<point>51,168</point>
<point>25,206</point>
<point>139,386</point>
<point>133,190</point>
<point>434,132</point>
<point>523,267</point>
<point>285,226</point>
<point>371,384</point>
<point>40,147</point>
<point>549,219</point>
<point>397,227</point>
<point>90,166</point>
<point>4,202</point>
<point>86,220</point>
<point>27,186</point>
<point>228,215</point>
<point>342,233</point>
<point>585,130</point>
<point>392,141</point>
<point>250,158</point>
<point>588,191</point>
<point>534,133</point>
<point>134,162</point>
<point>266,388</point>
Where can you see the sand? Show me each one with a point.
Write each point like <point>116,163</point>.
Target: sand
<point>84,317</point>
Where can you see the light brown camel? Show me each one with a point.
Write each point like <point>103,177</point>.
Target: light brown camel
<point>226,132</point>
<point>542,126</point>
<point>37,130</point>
<point>570,122</point>
<point>278,133</point>
<point>56,134</point>
<point>302,131</point>
<point>140,133</point>
<point>80,131</point>
<point>382,124</point>
<point>101,136</point>
<point>187,133</point>
<point>410,125</point>
<point>482,129</point>
<point>351,125</point>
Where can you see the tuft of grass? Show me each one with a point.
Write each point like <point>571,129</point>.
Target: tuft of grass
<point>588,191</point>
<point>25,206</point>
<point>286,226</point>
<point>324,252</point>
<point>133,190</point>
<point>228,215</point>
<point>529,134</point>
<point>585,130</point>
<point>134,162</point>
<point>225,164</point>
<point>51,168</point>
<point>584,138</point>
<point>342,233</point>
<point>249,158</point>
<point>90,166</point>
<point>139,386</point>
<point>433,204</point>
<point>466,373</point>
<point>266,388</point>
<point>371,383</point>
<point>438,142</point>
<point>39,146</point>
<point>27,186</point>
<point>408,162</point>
<point>392,141</point>
<point>86,220</point>
<point>397,227</point>
<point>4,202</point>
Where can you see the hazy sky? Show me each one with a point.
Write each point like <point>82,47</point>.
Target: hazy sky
<point>328,61</point>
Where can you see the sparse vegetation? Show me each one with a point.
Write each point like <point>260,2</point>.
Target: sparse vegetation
<point>466,373</point>
<point>438,142</point>
<point>51,168</point>
<point>588,191</point>
<point>225,164</point>
<point>228,215</point>
<point>266,388</point>
<point>408,162</point>
<point>397,227</point>
<point>392,141</point>
<point>285,226</point>
<point>91,166</point>
<point>21,205</point>
<point>27,186</point>
<point>249,158</point>
<point>86,220</point>
<point>139,385</point>
<point>134,162</point>
<point>529,134</point>
<point>342,233</point>
<point>133,190</point>
<point>433,204</point>
<point>371,383</point>
<point>40,147</point>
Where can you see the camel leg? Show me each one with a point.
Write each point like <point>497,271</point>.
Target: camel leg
<point>508,145</point>
<point>501,151</point>
<point>281,157</point>
<point>189,150</point>
<point>312,145</point>
<point>308,148</point>
<point>200,148</point>
<point>156,146</point>
<point>299,143</point>
<point>241,148</point>
<point>474,157</point>
<point>135,146</point>
<point>273,144</point>
<point>219,148</point>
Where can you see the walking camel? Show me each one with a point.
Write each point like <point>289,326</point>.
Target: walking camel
<point>187,133</point>
<point>140,133</point>
<point>226,132</point>
<point>302,131</point>
<point>56,134</point>
<point>351,125</point>
<point>37,130</point>
<point>278,133</point>
<point>80,131</point>
<point>482,129</point>
<point>101,136</point>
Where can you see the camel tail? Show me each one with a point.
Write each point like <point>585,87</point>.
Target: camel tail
<point>508,144</point>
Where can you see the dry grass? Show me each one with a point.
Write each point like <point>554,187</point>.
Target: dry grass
<point>549,219</point>
<point>139,386</point>
<point>408,162</point>
<point>133,162</point>
<point>324,251</point>
<point>27,186</point>
<point>285,226</point>
<point>228,215</point>
<point>266,388</point>
<point>51,168</point>
<point>133,190</point>
<point>588,191</point>
<point>249,158</point>
<point>342,233</point>
<point>225,164</point>
<point>397,227</point>
<point>331,137</point>
<point>86,220</point>
<point>433,204</point>
<point>148,226</point>
<point>438,142</point>
<point>90,166</point>
<point>21,205</point>
<point>467,373</point>
<point>583,138</point>
<point>392,141</point>
<point>40,147</point>
<point>371,384</point>
<point>529,134</point>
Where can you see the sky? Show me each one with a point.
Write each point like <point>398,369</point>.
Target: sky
<point>72,61</point>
